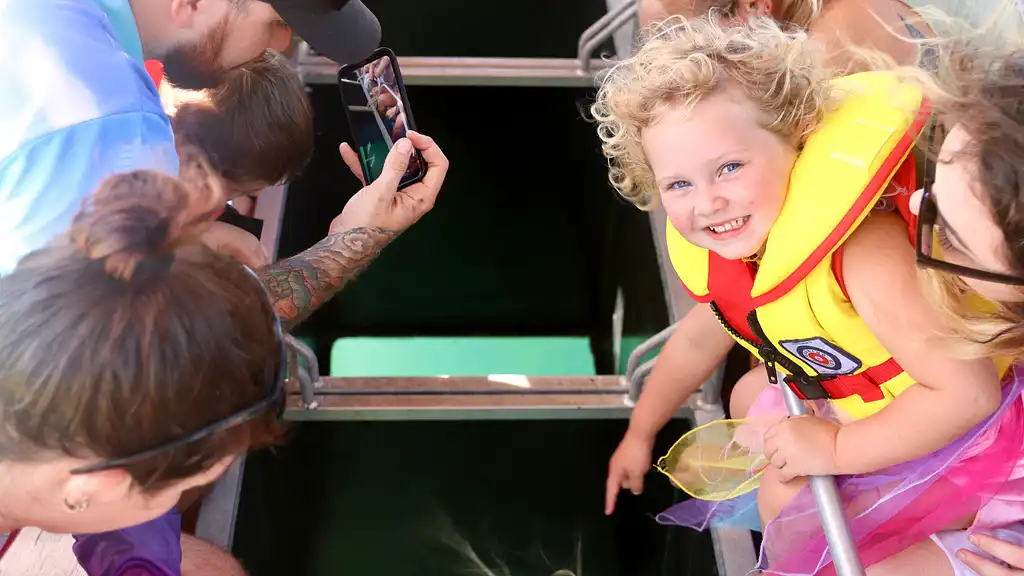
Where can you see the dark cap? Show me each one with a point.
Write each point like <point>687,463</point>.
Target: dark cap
<point>343,30</point>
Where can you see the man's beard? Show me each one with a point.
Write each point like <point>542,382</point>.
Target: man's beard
<point>197,66</point>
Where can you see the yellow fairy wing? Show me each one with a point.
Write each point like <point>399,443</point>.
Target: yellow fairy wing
<point>711,462</point>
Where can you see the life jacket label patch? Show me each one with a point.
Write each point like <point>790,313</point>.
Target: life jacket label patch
<point>823,356</point>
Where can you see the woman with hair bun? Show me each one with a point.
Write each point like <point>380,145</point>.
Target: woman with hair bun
<point>135,363</point>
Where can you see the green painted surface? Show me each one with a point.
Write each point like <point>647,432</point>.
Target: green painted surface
<point>454,356</point>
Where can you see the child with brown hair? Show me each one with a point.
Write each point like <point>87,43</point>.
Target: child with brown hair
<point>256,130</point>
<point>768,170</point>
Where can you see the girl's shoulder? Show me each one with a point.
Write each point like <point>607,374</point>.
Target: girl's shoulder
<point>879,241</point>
<point>879,267</point>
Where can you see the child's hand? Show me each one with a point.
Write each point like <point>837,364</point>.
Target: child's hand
<point>236,243</point>
<point>627,468</point>
<point>801,446</point>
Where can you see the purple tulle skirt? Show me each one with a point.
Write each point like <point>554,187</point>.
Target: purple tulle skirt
<point>890,510</point>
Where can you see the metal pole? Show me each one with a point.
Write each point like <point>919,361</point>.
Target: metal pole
<point>830,508</point>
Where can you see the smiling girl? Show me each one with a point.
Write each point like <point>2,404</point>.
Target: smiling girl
<point>768,170</point>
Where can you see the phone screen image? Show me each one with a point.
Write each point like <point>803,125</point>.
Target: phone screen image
<point>378,115</point>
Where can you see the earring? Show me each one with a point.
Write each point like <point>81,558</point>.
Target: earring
<point>77,507</point>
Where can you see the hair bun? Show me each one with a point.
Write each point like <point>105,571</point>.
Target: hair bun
<point>137,220</point>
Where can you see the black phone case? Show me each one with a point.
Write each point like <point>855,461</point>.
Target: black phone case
<point>410,122</point>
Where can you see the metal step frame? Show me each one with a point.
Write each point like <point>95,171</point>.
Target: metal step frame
<point>441,71</point>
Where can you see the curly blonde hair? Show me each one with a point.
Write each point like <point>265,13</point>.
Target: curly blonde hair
<point>683,61</point>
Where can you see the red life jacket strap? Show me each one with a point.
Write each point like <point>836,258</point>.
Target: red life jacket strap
<point>866,384</point>
<point>837,270</point>
<point>883,372</point>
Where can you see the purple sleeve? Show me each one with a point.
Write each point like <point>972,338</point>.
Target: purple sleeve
<point>150,549</point>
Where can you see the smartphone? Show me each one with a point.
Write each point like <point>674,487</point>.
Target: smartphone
<point>378,112</point>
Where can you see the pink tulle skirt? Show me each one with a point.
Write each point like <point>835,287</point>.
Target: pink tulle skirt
<point>981,473</point>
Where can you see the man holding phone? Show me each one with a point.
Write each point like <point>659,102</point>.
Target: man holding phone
<point>78,106</point>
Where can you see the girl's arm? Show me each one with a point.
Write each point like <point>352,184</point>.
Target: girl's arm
<point>687,360</point>
<point>698,344</point>
<point>951,396</point>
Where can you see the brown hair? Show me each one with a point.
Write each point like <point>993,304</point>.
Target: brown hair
<point>256,127</point>
<point>128,333</point>
<point>979,85</point>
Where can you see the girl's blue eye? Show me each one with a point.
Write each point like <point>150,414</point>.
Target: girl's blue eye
<point>731,167</point>
<point>679,185</point>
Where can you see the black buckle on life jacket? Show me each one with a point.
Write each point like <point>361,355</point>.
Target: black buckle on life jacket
<point>807,388</point>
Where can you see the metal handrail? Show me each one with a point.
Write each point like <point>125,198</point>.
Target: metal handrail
<point>830,508</point>
<point>600,31</point>
<point>309,380</point>
<point>601,23</point>
<point>446,71</point>
<point>461,71</point>
<point>633,363</point>
<point>636,380</point>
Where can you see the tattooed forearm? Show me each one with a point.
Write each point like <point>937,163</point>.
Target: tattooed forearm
<point>302,283</point>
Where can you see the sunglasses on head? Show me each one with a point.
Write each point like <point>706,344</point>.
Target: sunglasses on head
<point>306,372</point>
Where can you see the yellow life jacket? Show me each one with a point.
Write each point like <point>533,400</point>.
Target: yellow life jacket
<point>793,313</point>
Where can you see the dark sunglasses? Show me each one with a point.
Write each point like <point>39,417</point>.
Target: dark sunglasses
<point>307,373</point>
<point>928,216</point>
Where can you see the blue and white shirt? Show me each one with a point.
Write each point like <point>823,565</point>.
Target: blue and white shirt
<point>76,105</point>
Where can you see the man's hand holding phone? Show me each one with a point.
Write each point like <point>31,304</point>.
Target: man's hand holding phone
<point>370,220</point>
<point>381,204</point>
<point>378,112</point>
